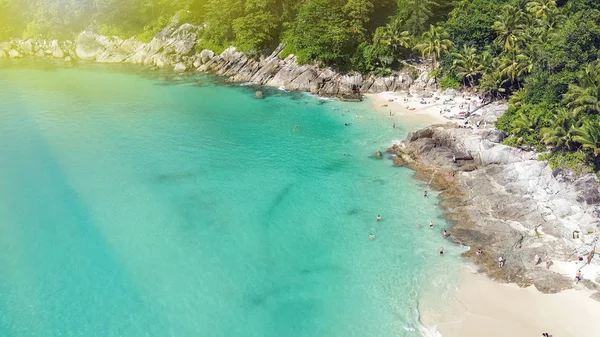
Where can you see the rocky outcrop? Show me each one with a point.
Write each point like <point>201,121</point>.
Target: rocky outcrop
<point>13,53</point>
<point>175,48</point>
<point>505,201</point>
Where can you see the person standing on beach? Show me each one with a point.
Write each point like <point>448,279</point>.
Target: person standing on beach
<point>548,262</point>
<point>578,277</point>
<point>536,260</point>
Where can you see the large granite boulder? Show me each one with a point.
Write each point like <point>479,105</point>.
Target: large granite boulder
<point>87,47</point>
<point>26,47</point>
<point>56,51</point>
<point>206,55</point>
<point>13,53</point>
<point>6,46</point>
<point>180,67</point>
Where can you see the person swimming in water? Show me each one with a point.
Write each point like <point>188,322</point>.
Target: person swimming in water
<point>442,250</point>
<point>445,234</point>
<point>371,236</point>
<point>431,224</point>
<point>425,194</point>
<point>378,217</point>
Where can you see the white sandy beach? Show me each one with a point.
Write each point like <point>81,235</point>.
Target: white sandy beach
<point>482,307</point>
<point>416,109</point>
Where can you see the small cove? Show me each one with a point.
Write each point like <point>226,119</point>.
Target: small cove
<point>142,203</point>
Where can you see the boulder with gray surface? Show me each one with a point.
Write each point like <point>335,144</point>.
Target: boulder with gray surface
<point>505,201</point>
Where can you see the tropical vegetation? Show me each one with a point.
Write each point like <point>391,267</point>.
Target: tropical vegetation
<point>540,55</point>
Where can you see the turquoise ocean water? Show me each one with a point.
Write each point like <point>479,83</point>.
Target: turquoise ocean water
<point>135,204</point>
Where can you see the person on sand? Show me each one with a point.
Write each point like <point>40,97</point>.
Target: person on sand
<point>548,262</point>
<point>578,277</point>
<point>478,252</point>
<point>501,262</point>
<point>378,217</point>
<point>442,250</point>
<point>536,260</point>
<point>431,224</point>
<point>444,234</point>
<point>371,236</point>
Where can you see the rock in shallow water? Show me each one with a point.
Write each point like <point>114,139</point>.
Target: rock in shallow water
<point>14,54</point>
<point>180,67</point>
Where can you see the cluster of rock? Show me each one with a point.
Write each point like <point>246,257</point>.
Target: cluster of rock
<point>505,201</point>
<point>175,47</point>
<point>38,48</point>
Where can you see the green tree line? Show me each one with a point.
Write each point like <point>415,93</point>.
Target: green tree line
<point>541,54</point>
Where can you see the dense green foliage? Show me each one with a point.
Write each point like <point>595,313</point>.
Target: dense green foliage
<point>543,54</point>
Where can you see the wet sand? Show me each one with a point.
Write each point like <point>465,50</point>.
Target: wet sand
<point>481,306</point>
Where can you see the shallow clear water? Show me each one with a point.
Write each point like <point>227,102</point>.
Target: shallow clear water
<point>145,204</point>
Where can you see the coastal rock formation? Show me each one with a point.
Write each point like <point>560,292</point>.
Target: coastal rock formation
<point>505,201</point>
<point>175,48</point>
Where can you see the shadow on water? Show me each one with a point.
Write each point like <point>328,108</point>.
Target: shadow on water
<point>336,166</point>
<point>272,293</point>
<point>379,181</point>
<point>353,211</point>
<point>175,177</point>
<point>318,269</point>
<point>279,198</point>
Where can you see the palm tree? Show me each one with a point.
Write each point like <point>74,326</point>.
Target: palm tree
<point>492,84</point>
<point>466,64</point>
<point>434,43</point>
<point>514,65</point>
<point>517,99</point>
<point>585,96</point>
<point>563,131</point>
<point>524,124</point>
<point>588,135</point>
<point>489,62</point>
<point>509,27</point>
<point>393,36</point>
<point>554,19</point>
<point>417,13</point>
<point>540,8</point>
